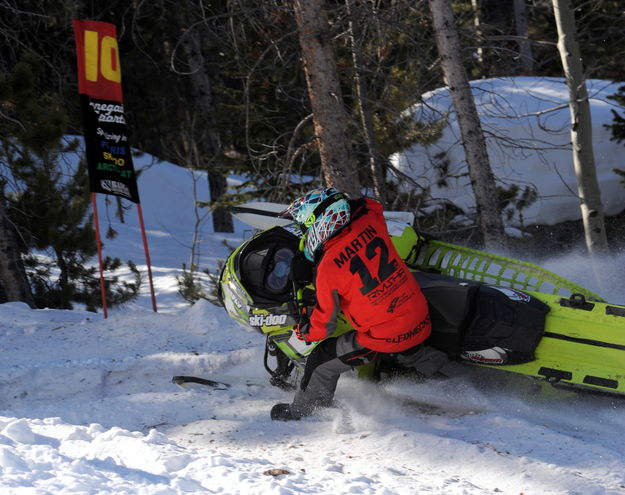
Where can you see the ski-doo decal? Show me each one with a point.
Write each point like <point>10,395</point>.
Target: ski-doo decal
<point>267,320</point>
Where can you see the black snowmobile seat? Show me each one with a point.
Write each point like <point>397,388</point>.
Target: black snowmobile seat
<point>470,316</point>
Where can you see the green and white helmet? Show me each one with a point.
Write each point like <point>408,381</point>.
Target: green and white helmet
<point>322,213</point>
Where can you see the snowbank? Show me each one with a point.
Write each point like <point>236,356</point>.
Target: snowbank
<point>527,124</point>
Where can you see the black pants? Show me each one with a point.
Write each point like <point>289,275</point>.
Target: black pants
<point>340,354</point>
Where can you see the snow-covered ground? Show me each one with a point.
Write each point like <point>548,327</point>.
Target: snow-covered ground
<point>87,405</point>
<point>526,123</point>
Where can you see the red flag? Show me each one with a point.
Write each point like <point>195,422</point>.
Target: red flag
<point>109,156</point>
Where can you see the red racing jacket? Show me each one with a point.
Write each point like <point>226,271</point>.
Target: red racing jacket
<point>361,274</point>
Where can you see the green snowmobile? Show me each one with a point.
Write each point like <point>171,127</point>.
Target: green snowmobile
<point>487,310</point>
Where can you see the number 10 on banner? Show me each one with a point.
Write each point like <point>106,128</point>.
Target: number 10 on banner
<point>99,69</point>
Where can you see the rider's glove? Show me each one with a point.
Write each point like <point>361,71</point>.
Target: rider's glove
<point>301,331</point>
<point>301,270</point>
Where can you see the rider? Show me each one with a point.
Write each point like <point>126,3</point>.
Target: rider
<point>357,271</point>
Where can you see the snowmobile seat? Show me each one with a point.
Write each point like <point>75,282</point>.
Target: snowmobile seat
<point>482,323</point>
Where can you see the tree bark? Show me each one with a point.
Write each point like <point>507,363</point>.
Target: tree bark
<point>526,57</point>
<point>581,130</point>
<point>13,279</point>
<point>375,166</point>
<point>455,76</point>
<point>477,24</point>
<point>210,148</point>
<point>329,116</point>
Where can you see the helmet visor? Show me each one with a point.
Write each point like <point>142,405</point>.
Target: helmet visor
<point>278,270</point>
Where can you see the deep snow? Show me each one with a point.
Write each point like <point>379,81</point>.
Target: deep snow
<point>526,123</point>
<point>87,406</point>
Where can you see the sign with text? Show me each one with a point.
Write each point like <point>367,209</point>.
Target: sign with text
<point>109,157</point>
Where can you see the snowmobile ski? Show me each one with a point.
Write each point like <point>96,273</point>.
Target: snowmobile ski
<point>216,382</point>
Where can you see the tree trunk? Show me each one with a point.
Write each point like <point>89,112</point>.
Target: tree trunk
<point>375,167</point>
<point>13,279</point>
<point>329,116</point>
<point>210,148</point>
<point>64,301</point>
<point>581,130</point>
<point>477,24</point>
<point>526,57</point>
<point>480,173</point>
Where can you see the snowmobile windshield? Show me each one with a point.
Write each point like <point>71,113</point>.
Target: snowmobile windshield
<point>264,265</point>
<point>279,268</point>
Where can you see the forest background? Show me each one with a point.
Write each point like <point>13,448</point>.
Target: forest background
<point>220,86</point>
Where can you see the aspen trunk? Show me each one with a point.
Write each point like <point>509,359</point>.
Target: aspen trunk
<point>581,130</point>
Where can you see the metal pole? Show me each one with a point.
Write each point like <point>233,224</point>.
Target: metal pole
<point>147,255</point>
<point>99,245</point>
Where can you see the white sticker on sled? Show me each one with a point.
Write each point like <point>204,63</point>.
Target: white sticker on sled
<point>494,355</point>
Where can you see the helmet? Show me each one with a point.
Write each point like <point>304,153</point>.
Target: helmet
<point>254,285</point>
<point>322,212</point>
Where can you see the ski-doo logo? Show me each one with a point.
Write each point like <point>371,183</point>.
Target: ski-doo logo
<point>267,320</point>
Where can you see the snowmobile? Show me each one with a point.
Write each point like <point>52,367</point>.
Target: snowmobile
<point>487,310</point>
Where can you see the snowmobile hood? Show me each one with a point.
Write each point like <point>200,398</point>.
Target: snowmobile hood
<point>255,287</point>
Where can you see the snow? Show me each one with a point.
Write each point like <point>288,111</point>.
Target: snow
<point>526,122</point>
<point>88,407</point>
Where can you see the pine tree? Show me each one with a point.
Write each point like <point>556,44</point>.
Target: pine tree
<point>48,200</point>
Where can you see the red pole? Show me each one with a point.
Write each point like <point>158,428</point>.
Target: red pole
<point>99,245</point>
<point>147,255</point>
